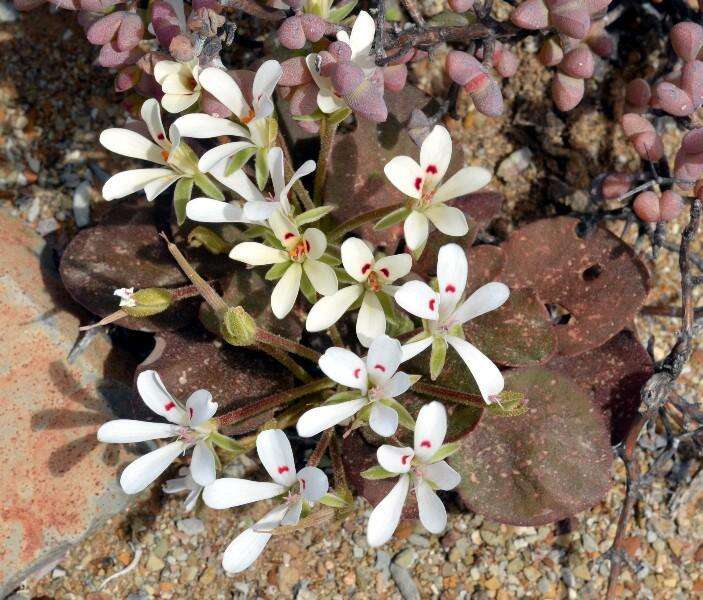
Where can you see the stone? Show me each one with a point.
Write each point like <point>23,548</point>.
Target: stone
<point>191,526</point>
<point>405,558</point>
<point>405,583</point>
<point>8,13</point>
<point>59,483</point>
<point>154,563</point>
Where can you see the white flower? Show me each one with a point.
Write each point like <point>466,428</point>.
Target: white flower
<point>191,424</point>
<point>299,257</point>
<point>179,83</point>
<point>374,278</point>
<point>177,160</point>
<point>423,183</point>
<point>419,467</point>
<point>257,129</point>
<point>184,483</point>
<point>360,42</point>
<point>126,296</point>
<point>306,486</point>
<point>377,379</point>
<point>443,316</point>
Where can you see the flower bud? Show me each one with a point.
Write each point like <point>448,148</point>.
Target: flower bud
<point>567,91</point>
<point>148,302</point>
<point>686,39</point>
<point>673,99</point>
<point>578,63</point>
<point>238,328</point>
<point>291,34</point>
<point>531,14</point>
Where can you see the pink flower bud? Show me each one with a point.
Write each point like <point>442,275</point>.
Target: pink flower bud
<point>291,34</point>
<point>531,14</point>
<point>686,39</point>
<point>673,99</point>
<point>130,32</point>
<point>464,69</point>
<point>578,63</point>
<point>461,6</point>
<point>295,72</point>
<point>551,53</point>
<point>692,81</point>
<point>615,185</point>
<point>313,27</point>
<point>646,207</point>
<point>346,77</point>
<point>304,100</point>
<point>104,29</point>
<point>567,91</point>
<point>486,95</point>
<point>394,77</point>
<point>638,93</point>
<point>127,78</point>
<point>570,17</point>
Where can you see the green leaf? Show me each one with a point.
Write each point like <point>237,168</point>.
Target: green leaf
<point>510,404</point>
<point>208,187</point>
<point>276,271</point>
<point>344,277</point>
<point>448,19</point>
<point>181,195</point>
<point>339,13</point>
<point>330,259</point>
<point>398,215</point>
<point>239,159</point>
<point>404,417</point>
<point>312,215</point>
<point>314,116</point>
<point>344,396</point>
<point>333,500</point>
<point>377,472</point>
<point>438,356</point>
<point>338,115</point>
<point>262,168</point>
<point>225,442</point>
<point>444,451</point>
<point>206,237</point>
<point>307,289</point>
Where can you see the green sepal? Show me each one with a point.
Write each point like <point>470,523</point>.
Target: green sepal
<point>339,13</point>
<point>208,187</point>
<point>272,130</point>
<point>417,253</point>
<point>312,215</point>
<point>238,327</point>
<point>338,115</point>
<point>307,289</point>
<point>239,159</point>
<point>225,442</point>
<point>509,404</point>
<point>316,115</point>
<point>377,472</point>
<point>330,259</point>
<point>181,196</point>
<point>333,500</point>
<point>438,356</point>
<point>256,231</point>
<point>344,396</point>
<point>445,451</point>
<point>262,168</point>
<point>204,236</point>
<point>398,215</point>
<point>404,417</point>
<point>448,19</point>
<point>150,301</point>
<point>344,277</point>
<point>276,271</point>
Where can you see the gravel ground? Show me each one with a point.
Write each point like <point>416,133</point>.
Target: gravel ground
<point>49,121</point>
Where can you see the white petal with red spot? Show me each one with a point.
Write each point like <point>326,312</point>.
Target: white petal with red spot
<point>416,228</point>
<point>448,219</point>
<point>155,395</point>
<point>316,242</point>
<point>394,267</point>
<point>412,349</point>
<point>430,429</point>
<point>406,175</point>
<point>229,491</point>
<point>485,299</point>
<point>276,455</point>
<point>207,210</point>
<point>432,513</point>
<point>418,299</point>
<point>201,125</point>
<point>394,459</point>
<point>383,419</point>
<point>488,377</point>
<point>464,181</point>
<point>200,407</point>
<point>127,182</point>
<point>345,367</point>
<point>313,483</point>
<point>139,474</point>
<point>452,271</point>
<point>383,359</point>
<point>127,431</point>
<point>284,229</point>
<point>435,155</point>
<point>371,320</point>
<point>151,115</point>
<point>328,310</point>
<point>357,258</point>
<point>316,420</point>
<point>385,517</point>
<point>396,385</point>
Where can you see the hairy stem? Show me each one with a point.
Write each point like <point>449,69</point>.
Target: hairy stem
<point>298,187</point>
<point>327,132</point>
<point>298,372</point>
<point>372,215</point>
<point>278,341</point>
<point>319,450</point>
<point>444,393</point>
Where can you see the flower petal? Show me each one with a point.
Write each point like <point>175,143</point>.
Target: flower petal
<point>292,516</point>
<point>176,103</point>
<point>383,419</point>
<point>452,271</point>
<point>248,545</point>
<point>155,395</point>
<point>357,258</point>
<point>207,210</point>
<point>276,455</point>
<point>277,170</point>
<point>322,276</point>
<point>435,155</point>
<point>256,254</point>
<point>157,186</point>
<point>127,182</point>
<point>313,483</point>
<point>394,459</point>
<point>442,475</point>
<point>237,182</point>
<point>151,115</point>
<point>128,431</point>
<point>317,242</point>
<point>405,174</point>
<point>412,349</point>
<point>219,153</point>
<point>139,474</point>
<point>394,267</point>
<point>328,310</point>
<point>316,420</point>
<point>371,320</point>
<point>284,229</point>
<point>225,89</point>
<point>202,464</point>
<point>305,169</point>
<point>418,299</point>
<point>464,181</point>
<point>383,359</point>
<point>485,299</point>
<point>385,517</point>
<point>129,143</point>
<point>430,429</point>
<point>201,125</point>
<point>344,367</point>
<point>397,385</point>
<point>200,407</point>
<point>229,491</point>
<point>448,219</point>
<point>361,38</point>
<point>265,81</point>
<point>488,377</point>
<point>164,68</point>
<point>259,210</point>
<point>432,513</point>
<point>286,291</point>
<point>416,229</point>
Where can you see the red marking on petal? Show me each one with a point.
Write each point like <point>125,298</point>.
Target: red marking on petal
<point>385,272</point>
<point>365,268</point>
<point>404,458</point>
<point>431,169</point>
<point>357,371</point>
<point>380,367</point>
<point>190,412</point>
<point>432,303</point>
<point>283,469</point>
<point>307,246</point>
<point>288,236</point>
<point>170,405</point>
<point>302,483</point>
<point>161,136</point>
<point>418,183</point>
<point>450,289</point>
<point>426,444</point>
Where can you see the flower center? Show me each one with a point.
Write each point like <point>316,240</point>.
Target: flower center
<point>373,283</point>
<point>299,252</point>
<point>249,117</point>
<point>188,435</point>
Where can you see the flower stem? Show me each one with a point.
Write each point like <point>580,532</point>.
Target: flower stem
<point>372,215</point>
<point>298,371</point>
<point>336,337</point>
<point>340,476</point>
<point>278,341</point>
<point>327,132</point>
<point>273,401</point>
<point>445,393</point>
<point>319,450</point>
<point>298,186</point>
